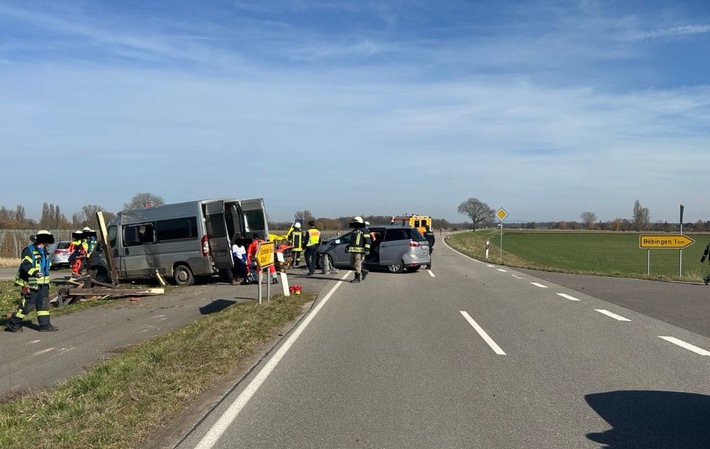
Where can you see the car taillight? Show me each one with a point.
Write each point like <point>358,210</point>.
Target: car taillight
<point>414,244</point>
<point>205,246</point>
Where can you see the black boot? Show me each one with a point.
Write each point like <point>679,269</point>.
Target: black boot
<point>706,279</point>
<point>357,278</point>
<point>364,274</point>
<point>48,328</point>
<point>14,324</point>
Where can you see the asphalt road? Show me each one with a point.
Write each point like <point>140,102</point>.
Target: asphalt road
<point>31,359</point>
<point>472,355</point>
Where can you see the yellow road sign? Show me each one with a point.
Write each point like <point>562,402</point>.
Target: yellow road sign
<point>501,214</point>
<point>664,241</point>
<point>265,254</point>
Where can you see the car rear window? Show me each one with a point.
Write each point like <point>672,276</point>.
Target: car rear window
<point>63,245</point>
<point>417,236</point>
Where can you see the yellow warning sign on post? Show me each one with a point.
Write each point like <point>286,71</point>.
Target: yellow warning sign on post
<point>265,255</point>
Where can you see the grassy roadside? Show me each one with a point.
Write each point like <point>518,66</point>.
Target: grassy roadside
<point>582,252</point>
<point>123,401</point>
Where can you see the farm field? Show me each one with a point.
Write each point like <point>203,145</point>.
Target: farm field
<point>585,252</point>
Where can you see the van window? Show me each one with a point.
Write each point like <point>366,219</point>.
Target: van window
<point>254,220</point>
<point>139,234</point>
<point>176,229</point>
<point>112,236</point>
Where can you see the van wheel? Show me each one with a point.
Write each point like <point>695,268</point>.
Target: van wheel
<point>396,268</point>
<point>183,275</point>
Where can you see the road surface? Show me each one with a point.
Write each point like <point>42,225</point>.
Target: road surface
<point>473,355</point>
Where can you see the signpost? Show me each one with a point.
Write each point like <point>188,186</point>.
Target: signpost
<point>264,259</point>
<point>501,214</point>
<point>662,241</point>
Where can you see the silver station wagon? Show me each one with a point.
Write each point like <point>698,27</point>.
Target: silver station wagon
<point>395,247</point>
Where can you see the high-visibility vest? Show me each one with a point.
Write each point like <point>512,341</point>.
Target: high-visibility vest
<point>34,260</point>
<point>297,240</point>
<point>359,242</point>
<point>313,237</point>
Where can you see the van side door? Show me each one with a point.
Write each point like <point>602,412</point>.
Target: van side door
<point>254,218</point>
<point>217,234</point>
<point>139,257</point>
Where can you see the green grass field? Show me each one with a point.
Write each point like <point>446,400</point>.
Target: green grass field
<point>601,253</point>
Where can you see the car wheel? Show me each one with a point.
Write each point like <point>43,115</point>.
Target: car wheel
<point>396,268</point>
<point>101,275</point>
<point>183,275</point>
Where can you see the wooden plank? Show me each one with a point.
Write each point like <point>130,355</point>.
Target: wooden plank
<point>113,291</point>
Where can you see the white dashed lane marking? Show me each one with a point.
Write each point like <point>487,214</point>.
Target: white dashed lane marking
<point>570,297</point>
<point>687,346</point>
<point>612,315</point>
<point>537,284</point>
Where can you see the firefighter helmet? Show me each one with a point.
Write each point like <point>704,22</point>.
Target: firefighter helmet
<point>44,237</point>
<point>358,220</point>
<point>297,225</point>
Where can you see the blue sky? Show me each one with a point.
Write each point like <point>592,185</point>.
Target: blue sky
<point>545,108</point>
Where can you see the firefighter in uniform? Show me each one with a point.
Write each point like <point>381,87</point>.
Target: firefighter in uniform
<point>77,252</point>
<point>312,240</point>
<point>358,248</point>
<point>295,237</point>
<point>33,277</point>
<point>90,239</point>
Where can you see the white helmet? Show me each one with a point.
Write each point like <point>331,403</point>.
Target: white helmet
<point>358,220</point>
<point>297,225</point>
<point>367,223</point>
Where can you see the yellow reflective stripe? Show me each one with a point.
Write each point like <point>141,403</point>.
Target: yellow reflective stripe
<point>43,313</point>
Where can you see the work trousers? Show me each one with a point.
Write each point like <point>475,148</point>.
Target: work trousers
<point>38,299</point>
<point>311,254</point>
<point>356,262</point>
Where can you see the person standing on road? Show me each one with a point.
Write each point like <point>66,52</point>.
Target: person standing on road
<point>77,253</point>
<point>295,237</point>
<point>33,278</point>
<point>358,248</point>
<point>429,235</point>
<point>312,240</point>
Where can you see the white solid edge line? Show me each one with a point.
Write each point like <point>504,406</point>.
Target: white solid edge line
<point>687,346</point>
<point>612,315</point>
<point>218,428</point>
<point>570,297</point>
<point>482,333</point>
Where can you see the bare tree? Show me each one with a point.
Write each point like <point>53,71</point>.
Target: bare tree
<point>588,218</point>
<point>642,217</point>
<point>476,210</point>
<point>304,215</point>
<point>144,199</point>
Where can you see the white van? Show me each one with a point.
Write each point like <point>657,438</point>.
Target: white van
<point>182,241</point>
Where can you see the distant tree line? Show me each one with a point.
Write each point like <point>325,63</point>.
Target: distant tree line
<point>483,216</point>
